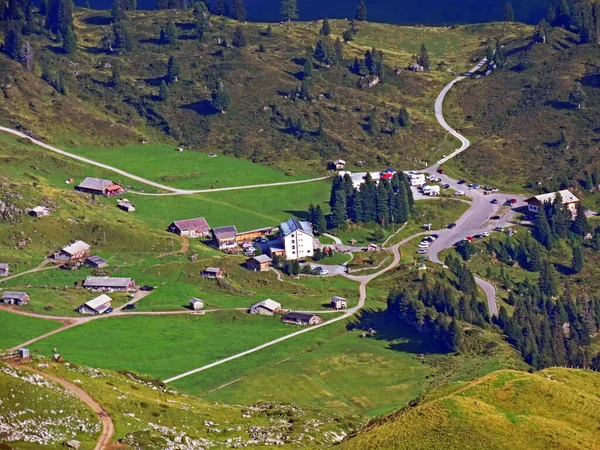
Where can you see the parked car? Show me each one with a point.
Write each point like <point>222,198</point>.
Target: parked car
<point>495,218</point>
<point>249,252</point>
<point>494,202</point>
<point>442,171</point>
<point>446,186</point>
<point>424,244</point>
<point>484,234</point>
<point>470,238</point>
<point>146,288</point>
<point>434,236</point>
<point>498,229</point>
<point>129,307</point>
<point>451,226</point>
<point>318,270</point>
<point>108,311</point>
<point>421,251</point>
<point>511,201</point>
<point>459,193</point>
<point>476,186</point>
<point>471,185</point>
<point>461,181</point>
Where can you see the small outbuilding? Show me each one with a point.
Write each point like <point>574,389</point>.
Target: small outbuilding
<point>4,270</point>
<point>196,304</point>
<point>99,186</point>
<point>267,307</point>
<point>95,262</point>
<point>192,228</point>
<point>76,251</point>
<point>339,164</point>
<point>98,305</point>
<point>40,211</point>
<point>259,263</point>
<point>15,298</point>
<point>213,272</point>
<point>339,303</point>
<point>224,237</point>
<point>23,353</point>
<point>303,319</point>
<point>125,205</point>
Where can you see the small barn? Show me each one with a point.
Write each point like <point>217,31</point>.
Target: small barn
<point>40,211</point>
<point>95,262</point>
<point>23,353</point>
<point>259,263</point>
<point>125,205</point>
<point>276,248</point>
<point>224,237</point>
<point>109,284</point>
<point>303,319</point>
<point>213,272</point>
<point>15,298</point>
<point>196,304</point>
<point>192,228</point>
<point>72,252</point>
<point>99,186</point>
<point>339,303</point>
<point>4,270</point>
<point>98,305</point>
<point>339,164</point>
<point>267,307</point>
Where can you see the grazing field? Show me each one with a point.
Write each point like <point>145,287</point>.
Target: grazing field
<point>162,346</point>
<point>17,329</point>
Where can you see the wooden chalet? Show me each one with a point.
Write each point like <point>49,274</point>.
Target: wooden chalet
<point>73,252</point>
<point>339,303</point>
<point>109,284</point>
<point>259,263</point>
<point>15,298</point>
<point>98,305</point>
<point>247,236</point>
<point>192,228</point>
<point>99,186</point>
<point>267,307</point>
<point>224,237</point>
<point>213,272</point>
<point>96,262</point>
<point>303,319</point>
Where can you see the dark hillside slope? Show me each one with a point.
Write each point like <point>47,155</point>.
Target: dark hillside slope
<point>554,408</point>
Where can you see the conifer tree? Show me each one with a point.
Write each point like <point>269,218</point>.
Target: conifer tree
<point>372,123</point>
<point>201,16</point>
<point>549,279</point>
<point>578,261</point>
<point>339,50</point>
<point>221,98</point>
<point>550,15</point>
<point>27,55</point>
<point>162,4</point>
<point>173,70</point>
<point>239,39</point>
<point>289,10</point>
<point>219,8</point>
<point>319,223</point>
<point>456,336</point>
<point>580,225</point>
<point>542,231</point>
<point>170,35</point>
<point>163,91</point>
<point>307,70</point>
<point>115,78</point>
<point>12,40</point>
<point>361,11</point>
<point>122,40</point>
<point>238,10</point>
<point>509,14</point>
<point>118,10</point>
<point>325,28</point>
<point>339,213</point>
<point>423,57</point>
<point>403,118</point>
<point>563,14</point>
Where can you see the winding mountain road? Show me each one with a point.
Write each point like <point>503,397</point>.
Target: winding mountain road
<point>171,190</point>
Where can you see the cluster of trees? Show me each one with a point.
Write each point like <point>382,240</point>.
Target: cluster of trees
<point>551,332</point>
<point>386,203</point>
<point>317,218</point>
<point>234,9</point>
<point>372,64</point>
<point>328,51</point>
<point>583,17</point>
<point>554,222</point>
<point>321,254</point>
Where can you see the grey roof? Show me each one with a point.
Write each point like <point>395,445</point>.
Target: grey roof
<point>108,282</point>
<point>95,183</point>
<point>337,299</point>
<point>41,209</point>
<point>212,269</point>
<point>17,295</point>
<point>299,316</point>
<point>199,223</point>
<point>76,247</point>
<point>293,225</point>
<point>96,259</point>
<point>262,258</point>
<point>195,300</point>
<point>276,246</point>
<point>228,232</point>
<point>99,304</point>
<point>4,266</point>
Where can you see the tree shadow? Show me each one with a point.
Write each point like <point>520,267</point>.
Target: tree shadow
<point>302,215</point>
<point>203,107</point>
<point>297,75</point>
<point>97,20</point>
<point>56,49</point>
<point>299,61</point>
<point>154,81</point>
<point>96,51</point>
<point>559,105</point>
<point>185,25</point>
<point>153,41</point>
<point>187,37</point>
<point>591,80</point>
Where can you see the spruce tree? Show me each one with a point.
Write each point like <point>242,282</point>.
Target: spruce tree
<point>239,39</point>
<point>115,78</point>
<point>509,14</point>
<point>423,57</point>
<point>220,98</point>
<point>325,28</point>
<point>69,41</point>
<point>550,15</point>
<point>339,50</point>
<point>118,10</point>
<point>378,235</point>
<point>289,10</point>
<point>12,40</point>
<point>219,7</point>
<point>361,11</point>
<point>162,4</point>
<point>578,261</point>
<point>319,222</point>
<point>238,11</point>
<point>542,231</point>
<point>170,32</point>
<point>163,91</point>
<point>307,70</point>
<point>383,210</point>
<point>563,14</point>
<point>27,55</point>
<point>372,123</point>
<point>455,336</point>
<point>173,70</point>
<point>580,225</point>
<point>549,279</point>
<point>122,40</point>
<point>202,17</point>
<point>339,213</point>
<point>403,118</point>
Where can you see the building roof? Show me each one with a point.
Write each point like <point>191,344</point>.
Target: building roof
<point>99,303</point>
<point>228,232</point>
<point>269,304</point>
<point>40,209</point>
<point>293,225</point>
<point>3,265</point>
<point>108,282</point>
<point>95,184</point>
<point>76,247</point>
<point>11,294</point>
<point>212,269</point>
<point>339,161</point>
<point>194,300</point>
<point>199,223</point>
<point>262,259</point>
<point>96,259</point>
<point>299,316</point>
<point>337,299</point>
<point>567,197</point>
<point>276,246</point>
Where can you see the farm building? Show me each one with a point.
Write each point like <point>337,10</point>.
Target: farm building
<point>224,237</point>
<point>339,303</point>
<point>191,228</point>
<point>213,272</point>
<point>23,353</point>
<point>267,307</point>
<point>109,284</point>
<point>297,238</point>
<point>302,318</point>
<point>339,164</point>
<point>15,298</point>
<point>125,205</point>
<point>276,248</point>
<point>40,211</point>
<point>196,304</point>
<point>75,251</point>
<point>98,305</point>
<point>96,262</point>
<point>372,247</point>
<point>4,270</point>
<point>259,263</point>
<point>569,201</point>
<point>246,236</point>
<point>99,186</point>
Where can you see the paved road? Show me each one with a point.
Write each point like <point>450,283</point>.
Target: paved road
<point>108,428</point>
<point>171,190</point>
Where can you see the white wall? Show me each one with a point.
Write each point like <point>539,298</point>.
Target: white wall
<point>298,245</point>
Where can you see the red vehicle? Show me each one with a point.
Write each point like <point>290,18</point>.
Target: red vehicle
<point>512,201</point>
<point>442,171</point>
<point>470,238</point>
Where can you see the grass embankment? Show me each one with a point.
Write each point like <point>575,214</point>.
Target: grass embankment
<point>504,410</point>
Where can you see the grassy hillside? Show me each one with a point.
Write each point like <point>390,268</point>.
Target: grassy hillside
<point>96,115</point>
<point>554,408</point>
